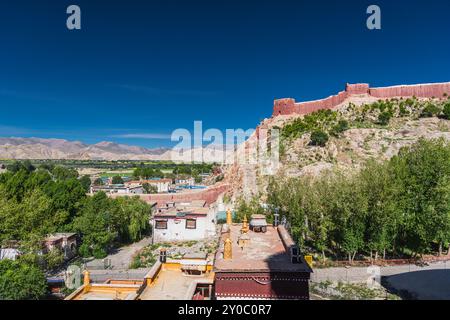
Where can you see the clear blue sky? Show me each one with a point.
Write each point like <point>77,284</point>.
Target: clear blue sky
<point>145,68</point>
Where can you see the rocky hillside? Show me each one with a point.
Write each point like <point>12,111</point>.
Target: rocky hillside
<point>345,137</point>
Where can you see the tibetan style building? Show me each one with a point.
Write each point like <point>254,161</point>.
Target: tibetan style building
<point>259,263</point>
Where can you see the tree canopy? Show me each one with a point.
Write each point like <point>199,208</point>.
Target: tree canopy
<point>401,206</point>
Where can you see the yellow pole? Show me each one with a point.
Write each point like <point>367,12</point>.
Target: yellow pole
<point>229,217</point>
<point>227,250</point>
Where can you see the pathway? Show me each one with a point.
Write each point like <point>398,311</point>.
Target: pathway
<point>428,282</point>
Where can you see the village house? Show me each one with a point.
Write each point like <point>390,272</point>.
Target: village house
<point>66,242</point>
<point>119,189</point>
<point>162,185</point>
<point>183,221</point>
<point>185,181</point>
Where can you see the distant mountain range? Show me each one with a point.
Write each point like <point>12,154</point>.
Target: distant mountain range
<point>37,148</point>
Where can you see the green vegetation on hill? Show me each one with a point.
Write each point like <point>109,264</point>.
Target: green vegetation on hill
<point>324,123</point>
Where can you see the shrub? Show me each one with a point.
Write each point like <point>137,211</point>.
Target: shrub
<point>339,128</point>
<point>99,253</point>
<point>430,110</point>
<point>319,138</point>
<point>117,180</point>
<point>447,111</point>
<point>402,110</point>
<point>384,118</point>
<point>84,250</point>
<point>21,281</point>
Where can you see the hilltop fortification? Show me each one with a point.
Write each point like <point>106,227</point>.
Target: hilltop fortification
<point>289,106</point>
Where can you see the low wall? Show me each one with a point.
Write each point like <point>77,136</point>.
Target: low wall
<point>209,195</point>
<point>288,106</point>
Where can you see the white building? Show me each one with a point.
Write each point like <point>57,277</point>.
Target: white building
<point>121,189</point>
<point>162,185</point>
<point>185,182</point>
<point>9,253</point>
<point>184,222</point>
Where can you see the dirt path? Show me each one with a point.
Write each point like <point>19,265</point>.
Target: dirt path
<point>121,258</point>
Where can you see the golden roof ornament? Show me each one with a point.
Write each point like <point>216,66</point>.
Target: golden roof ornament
<point>227,251</point>
<point>86,281</point>
<point>229,217</point>
<point>245,227</point>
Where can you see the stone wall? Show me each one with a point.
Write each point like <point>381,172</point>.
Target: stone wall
<point>288,106</point>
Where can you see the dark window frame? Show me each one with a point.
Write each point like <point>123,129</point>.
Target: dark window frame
<point>158,222</point>
<point>195,224</point>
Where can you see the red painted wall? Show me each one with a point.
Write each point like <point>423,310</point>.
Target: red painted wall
<point>289,106</point>
<point>269,285</point>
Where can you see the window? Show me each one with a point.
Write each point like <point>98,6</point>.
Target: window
<point>161,224</point>
<point>191,224</point>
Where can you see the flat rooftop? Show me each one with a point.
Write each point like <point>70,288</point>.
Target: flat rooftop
<point>180,212</point>
<point>174,285</point>
<point>107,291</point>
<point>265,252</point>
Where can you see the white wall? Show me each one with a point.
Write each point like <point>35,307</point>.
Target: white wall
<point>162,187</point>
<point>178,232</point>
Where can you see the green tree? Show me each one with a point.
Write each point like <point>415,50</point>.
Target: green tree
<point>85,183</point>
<point>54,258</point>
<point>62,173</point>
<point>98,182</point>
<point>422,173</point>
<point>95,225</point>
<point>117,180</point>
<point>21,281</point>
<point>149,188</point>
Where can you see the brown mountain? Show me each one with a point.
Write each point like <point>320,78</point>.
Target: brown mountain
<point>37,148</point>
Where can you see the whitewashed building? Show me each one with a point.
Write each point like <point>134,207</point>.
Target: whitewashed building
<point>120,189</point>
<point>162,185</point>
<point>184,222</point>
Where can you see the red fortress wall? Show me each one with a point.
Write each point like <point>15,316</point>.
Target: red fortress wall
<point>289,106</point>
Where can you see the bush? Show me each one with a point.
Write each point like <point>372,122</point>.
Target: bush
<point>447,111</point>
<point>84,250</point>
<point>319,138</point>
<point>54,259</point>
<point>339,128</point>
<point>117,180</point>
<point>430,110</point>
<point>99,253</point>
<point>384,118</point>
<point>21,281</point>
<point>402,110</point>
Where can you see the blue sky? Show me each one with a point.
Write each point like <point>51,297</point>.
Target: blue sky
<point>137,70</point>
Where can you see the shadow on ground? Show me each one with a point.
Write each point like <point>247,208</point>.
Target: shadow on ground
<point>420,285</point>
